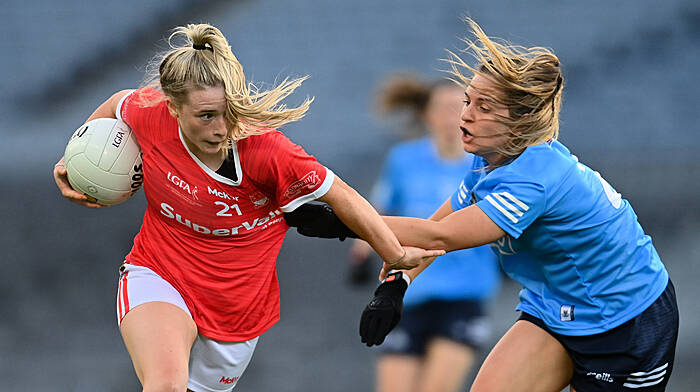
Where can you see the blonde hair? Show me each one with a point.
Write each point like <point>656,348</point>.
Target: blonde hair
<point>528,81</point>
<point>205,59</point>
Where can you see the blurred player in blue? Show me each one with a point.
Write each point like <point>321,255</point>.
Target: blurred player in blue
<point>598,311</point>
<point>444,321</point>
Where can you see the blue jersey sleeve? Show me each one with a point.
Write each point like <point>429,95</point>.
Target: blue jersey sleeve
<point>461,198</point>
<point>512,203</point>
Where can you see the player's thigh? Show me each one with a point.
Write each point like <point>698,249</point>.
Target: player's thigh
<point>159,336</point>
<point>445,366</point>
<point>527,359</point>
<point>397,372</point>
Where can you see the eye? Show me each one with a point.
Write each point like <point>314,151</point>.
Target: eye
<point>466,101</point>
<point>484,109</point>
<point>206,116</point>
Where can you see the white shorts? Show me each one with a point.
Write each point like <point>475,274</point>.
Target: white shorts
<point>215,366</point>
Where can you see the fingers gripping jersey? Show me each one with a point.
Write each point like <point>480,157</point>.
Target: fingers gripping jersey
<point>575,245</point>
<point>215,240</point>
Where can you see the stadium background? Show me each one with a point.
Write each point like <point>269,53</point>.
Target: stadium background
<point>630,111</point>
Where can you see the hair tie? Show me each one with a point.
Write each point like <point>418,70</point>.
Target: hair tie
<point>202,47</point>
<point>559,80</point>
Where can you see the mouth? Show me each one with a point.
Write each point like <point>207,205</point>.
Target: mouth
<point>466,133</point>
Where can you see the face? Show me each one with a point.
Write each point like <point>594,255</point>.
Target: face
<point>202,120</point>
<point>442,113</point>
<point>482,133</point>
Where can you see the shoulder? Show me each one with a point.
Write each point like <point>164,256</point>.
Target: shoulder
<point>140,100</point>
<point>544,164</point>
<point>269,140</point>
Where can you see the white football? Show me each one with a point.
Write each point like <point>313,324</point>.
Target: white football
<point>103,161</point>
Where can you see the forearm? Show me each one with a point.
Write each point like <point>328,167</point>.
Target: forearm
<point>467,228</point>
<point>360,217</point>
<point>421,233</point>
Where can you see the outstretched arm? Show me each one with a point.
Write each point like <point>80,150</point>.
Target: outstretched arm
<point>356,212</point>
<point>466,228</point>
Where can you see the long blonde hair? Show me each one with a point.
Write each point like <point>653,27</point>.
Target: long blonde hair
<point>529,83</point>
<point>205,59</point>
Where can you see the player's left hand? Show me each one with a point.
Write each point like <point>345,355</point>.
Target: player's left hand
<point>384,310</point>
<point>60,175</point>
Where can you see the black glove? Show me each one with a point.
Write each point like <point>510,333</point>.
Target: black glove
<point>384,310</point>
<point>318,220</point>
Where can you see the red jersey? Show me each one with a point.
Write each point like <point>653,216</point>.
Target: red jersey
<point>214,239</point>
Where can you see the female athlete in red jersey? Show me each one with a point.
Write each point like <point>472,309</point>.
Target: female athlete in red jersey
<point>199,285</point>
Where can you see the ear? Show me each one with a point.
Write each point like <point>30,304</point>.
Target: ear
<point>171,107</point>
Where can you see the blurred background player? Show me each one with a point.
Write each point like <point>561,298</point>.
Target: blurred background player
<point>200,283</point>
<point>444,321</point>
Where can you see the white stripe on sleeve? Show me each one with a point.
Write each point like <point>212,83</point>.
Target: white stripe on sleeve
<point>500,208</point>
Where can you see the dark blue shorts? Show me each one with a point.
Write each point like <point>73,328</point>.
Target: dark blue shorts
<point>460,321</point>
<point>635,356</point>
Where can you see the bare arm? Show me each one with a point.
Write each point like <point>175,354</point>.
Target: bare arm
<point>108,109</point>
<point>360,217</point>
<point>467,228</point>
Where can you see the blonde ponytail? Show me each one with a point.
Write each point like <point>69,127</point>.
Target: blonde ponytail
<point>204,58</point>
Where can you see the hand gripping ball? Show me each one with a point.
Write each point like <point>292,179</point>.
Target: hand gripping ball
<point>103,161</point>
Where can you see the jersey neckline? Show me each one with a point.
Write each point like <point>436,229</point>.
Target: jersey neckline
<point>211,173</point>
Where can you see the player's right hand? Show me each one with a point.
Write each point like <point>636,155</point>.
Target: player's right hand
<point>60,175</point>
<point>413,258</point>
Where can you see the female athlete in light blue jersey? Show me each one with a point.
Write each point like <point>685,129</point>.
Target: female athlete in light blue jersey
<point>444,321</point>
<point>598,309</point>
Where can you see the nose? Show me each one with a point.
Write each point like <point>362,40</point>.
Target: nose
<point>219,127</point>
<point>466,114</point>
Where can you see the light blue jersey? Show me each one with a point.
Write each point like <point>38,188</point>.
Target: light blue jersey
<point>575,245</point>
<point>416,181</point>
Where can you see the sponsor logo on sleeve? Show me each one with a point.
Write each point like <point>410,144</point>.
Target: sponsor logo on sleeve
<point>309,181</point>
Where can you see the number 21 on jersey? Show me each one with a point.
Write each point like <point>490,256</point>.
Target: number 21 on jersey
<point>225,208</point>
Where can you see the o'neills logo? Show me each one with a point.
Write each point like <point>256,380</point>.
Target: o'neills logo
<point>309,181</point>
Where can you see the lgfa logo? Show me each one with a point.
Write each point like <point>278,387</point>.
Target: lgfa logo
<point>180,183</point>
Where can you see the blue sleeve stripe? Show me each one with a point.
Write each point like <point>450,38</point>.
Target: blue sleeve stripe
<point>505,203</point>
<point>500,208</point>
<point>515,200</point>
